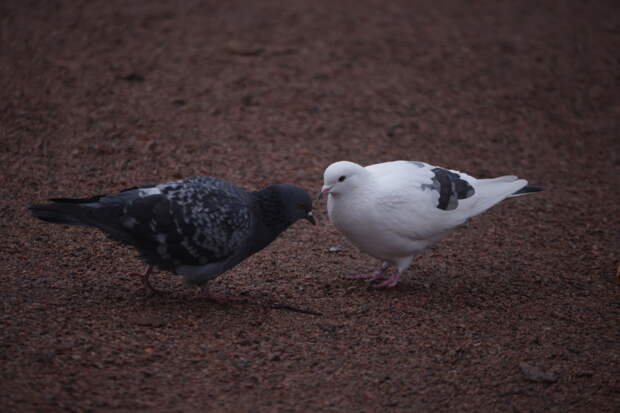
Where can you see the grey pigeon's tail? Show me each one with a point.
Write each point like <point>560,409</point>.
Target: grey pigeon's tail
<point>59,213</point>
<point>528,189</point>
<point>85,212</point>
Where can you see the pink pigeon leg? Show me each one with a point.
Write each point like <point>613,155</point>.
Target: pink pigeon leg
<point>145,280</point>
<point>389,282</point>
<point>377,275</point>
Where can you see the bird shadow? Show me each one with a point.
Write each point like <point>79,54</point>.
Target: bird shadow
<point>426,288</point>
<point>174,297</point>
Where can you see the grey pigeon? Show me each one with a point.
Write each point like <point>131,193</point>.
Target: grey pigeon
<point>198,227</point>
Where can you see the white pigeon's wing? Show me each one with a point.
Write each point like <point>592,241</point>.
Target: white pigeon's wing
<point>431,199</point>
<point>441,188</point>
<point>419,201</point>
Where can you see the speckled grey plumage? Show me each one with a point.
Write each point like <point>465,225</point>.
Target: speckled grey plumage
<point>198,227</point>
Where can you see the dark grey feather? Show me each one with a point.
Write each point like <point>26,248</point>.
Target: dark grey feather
<point>528,189</point>
<point>198,227</point>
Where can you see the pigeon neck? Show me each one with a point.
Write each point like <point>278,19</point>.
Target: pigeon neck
<point>272,213</point>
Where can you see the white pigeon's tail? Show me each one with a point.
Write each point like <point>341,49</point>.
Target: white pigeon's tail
<point>492,191</point>
<point>527,189</point>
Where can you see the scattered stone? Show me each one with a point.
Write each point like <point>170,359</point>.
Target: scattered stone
<point>535,373</point>
<point>248,100</point>
<point>391,131</point>
<point>133,77</point>
<point>235,47</point>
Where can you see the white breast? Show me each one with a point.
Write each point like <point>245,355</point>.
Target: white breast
<point>372,229</point>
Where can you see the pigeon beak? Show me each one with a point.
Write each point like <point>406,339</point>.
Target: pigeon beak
<point>310,218</point>
<point>324,190</point>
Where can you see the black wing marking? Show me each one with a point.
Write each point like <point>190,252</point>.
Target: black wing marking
<point>451,188</point>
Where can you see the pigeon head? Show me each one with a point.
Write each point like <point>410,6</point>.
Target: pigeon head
<point>291,202</point>
<point>341,177</point>
<point>297,203</point>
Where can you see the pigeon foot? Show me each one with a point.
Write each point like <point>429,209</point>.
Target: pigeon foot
<point>389,282</point>
<point>145,281</point>
<point>377,275</point>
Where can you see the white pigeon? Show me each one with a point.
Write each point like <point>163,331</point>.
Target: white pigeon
<point>393,211</point>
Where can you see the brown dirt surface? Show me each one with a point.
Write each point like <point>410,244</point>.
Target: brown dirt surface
<point>517,311</point>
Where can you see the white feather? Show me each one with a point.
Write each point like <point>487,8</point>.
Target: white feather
<point>390,210</point>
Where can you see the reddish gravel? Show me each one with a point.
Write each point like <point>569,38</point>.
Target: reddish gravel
<point>518,311</point>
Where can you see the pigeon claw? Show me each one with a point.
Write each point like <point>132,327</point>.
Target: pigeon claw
<point>145,281</point>
<point>389,282</point>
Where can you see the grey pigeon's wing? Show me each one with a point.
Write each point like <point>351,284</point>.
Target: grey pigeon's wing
<point>195,221</point>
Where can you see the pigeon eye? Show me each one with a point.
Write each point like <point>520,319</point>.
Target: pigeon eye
<point>342,178</point>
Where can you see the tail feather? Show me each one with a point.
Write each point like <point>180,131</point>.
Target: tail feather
<point>505,178</point>
<point>69,211</point>
<point>90,200</point>
<point>528,189</point>
<point>84,212</point>
<point>58,213</point>
<point>492,191</point>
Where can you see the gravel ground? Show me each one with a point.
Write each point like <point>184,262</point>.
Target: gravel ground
<point>517,311</point>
